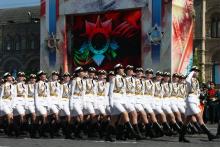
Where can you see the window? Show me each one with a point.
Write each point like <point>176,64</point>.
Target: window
<point>18,42</point>
<point>8,43</point>
<point>215,26</point>
<point>31,44</point>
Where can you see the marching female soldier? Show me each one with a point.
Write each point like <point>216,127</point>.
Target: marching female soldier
<point>78,89</point>
<point>55,95</point>
<point>19,103</point>
<point>192,105</point>
<point>88,102</point>
<point>42,102</point>
<point>174,100</point>
<point>64,105</point>
<point>102,102</point>
<point>8,92</point>
<point>182,93</point>
<point>29,105</point>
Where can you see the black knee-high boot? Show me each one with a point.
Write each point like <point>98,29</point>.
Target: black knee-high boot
<point>167,130</point>
<point>209,134</point>
<point>133,131</point>
<point>120,132</point>
<point>17,126</point>
<point>103,128</point>
<point>176,127</point>
<point>43,129</point>
<point>158,129</point>
<point>149,130</point>
<point>137,131</point>
<point>67,130</point>
<point>78,130</point>
<point>52,128</point>
<point>32,130</point>
<point>191,129</point>
<point>8,128</point>
<point>109,133</point>
<point>92,130</point>
<point>180,124</point>
<point>196,124</point>
<point>182,134</point>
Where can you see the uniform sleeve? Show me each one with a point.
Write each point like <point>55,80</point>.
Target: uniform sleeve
<point>48,98</point>
<point>143,86</point>
<point>36,95</point>
<point>162,91</point>
<point>73,84</point>
<point>189,77</point>
<point>61,95</point>
<point>14,95</point>
<point>107,93</point>
<point>26,90</point>
<point>61,91</point>
<point>48,89</point>
<point>153,89</point>
<point>111,88</point>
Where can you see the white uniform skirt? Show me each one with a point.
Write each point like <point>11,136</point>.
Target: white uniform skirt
<point>64,107</point>
<point>181,105</point>
<point>54,104</point>
<point>100,105</point>
<point>174,104</point>
<point>166,105</point>
<point>5,107</point>
<point>29,106</point>
<point>158,103</point>
<point>76,106</point>
<point>192,105</point>
<point>147,103</point>
<point>121,104</point>
<point>139,103</point>
<point>88,104</point>
<point>19,106</point>
<point>42,106</point>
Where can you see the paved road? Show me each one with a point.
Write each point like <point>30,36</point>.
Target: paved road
<point>196,141</point>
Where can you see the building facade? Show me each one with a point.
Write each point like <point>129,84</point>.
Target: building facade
<point>207,38</point>
<point>20,39</point>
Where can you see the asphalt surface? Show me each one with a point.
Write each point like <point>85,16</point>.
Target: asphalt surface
<point>196,141</point>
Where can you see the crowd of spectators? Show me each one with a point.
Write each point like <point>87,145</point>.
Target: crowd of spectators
<point>210,102</point>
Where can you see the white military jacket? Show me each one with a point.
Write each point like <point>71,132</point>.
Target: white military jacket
<point>21,90</point>
<point>117,90</point>
<point>149,87</point>
<point>158,90</point>
<point>130,86</point>
<point>8,91</point>
<point>42,93</point>
<point>55,89</point>
<point>30,90</point>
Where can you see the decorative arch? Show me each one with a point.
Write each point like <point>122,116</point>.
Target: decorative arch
<point>213,21</point>
<point>211,11</point>
<point>33,64</point>
<point>12,63</point>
